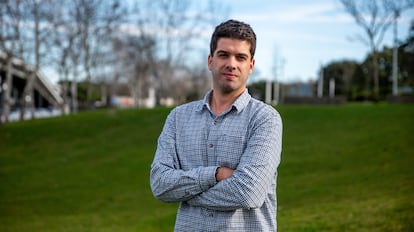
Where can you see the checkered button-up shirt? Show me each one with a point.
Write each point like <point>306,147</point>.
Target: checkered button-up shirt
<point>194,143</point>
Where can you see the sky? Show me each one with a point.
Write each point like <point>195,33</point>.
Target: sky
<point>297,37</point>
<point>302,35</point>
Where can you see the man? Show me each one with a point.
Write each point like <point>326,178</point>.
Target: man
<point>218,157</point>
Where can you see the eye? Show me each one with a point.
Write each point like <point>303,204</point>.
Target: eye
<point>242,57</point>
<point>222,55</point>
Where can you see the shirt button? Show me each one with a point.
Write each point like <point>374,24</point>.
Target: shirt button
<point>210,145</point>
<point>215,122</point>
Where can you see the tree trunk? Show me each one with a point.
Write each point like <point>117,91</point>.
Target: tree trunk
<point>27,95</point>
<point>8,89</point>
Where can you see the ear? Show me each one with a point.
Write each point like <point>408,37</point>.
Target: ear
<point>209,61</point>
<point>252,62</point>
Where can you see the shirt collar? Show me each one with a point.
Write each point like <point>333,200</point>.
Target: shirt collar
<point>240,103</point>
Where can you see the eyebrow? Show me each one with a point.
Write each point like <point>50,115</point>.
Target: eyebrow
<point>237,54</point>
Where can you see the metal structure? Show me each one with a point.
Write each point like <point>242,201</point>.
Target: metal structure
<point>14,76</point>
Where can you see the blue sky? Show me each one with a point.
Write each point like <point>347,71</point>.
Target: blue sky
<point>303,34</point>
<point>299,35</point>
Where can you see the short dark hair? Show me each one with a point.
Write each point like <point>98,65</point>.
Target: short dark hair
<point>233,29</point>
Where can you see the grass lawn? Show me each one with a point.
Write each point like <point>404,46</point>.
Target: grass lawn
<point>344,168</point>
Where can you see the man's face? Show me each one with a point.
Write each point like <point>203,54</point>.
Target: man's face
<point>230,65</point>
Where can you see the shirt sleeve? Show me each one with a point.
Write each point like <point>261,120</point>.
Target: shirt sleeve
<point>252,179</point>
<point>169,183</point>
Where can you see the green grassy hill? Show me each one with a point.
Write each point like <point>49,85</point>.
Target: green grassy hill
<point>344,168</point>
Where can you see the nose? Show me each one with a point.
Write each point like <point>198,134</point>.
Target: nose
<point>231,63</point>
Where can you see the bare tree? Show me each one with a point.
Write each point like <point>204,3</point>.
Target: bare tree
<point>108,18</point>
<point>11,20</point>
<point>76,35</point>
<point>96,21</point>
<point>180,27</point>
<point>10,43</point>
<point>82,41</point>
<point>136,56</point>
<point>200,80</point>
<point>36,12</point>
<point>65,40</point>
<point>24,33</point>
<point>374,17</point>
<point>67,43</point>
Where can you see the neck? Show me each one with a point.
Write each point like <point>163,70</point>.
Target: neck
<point>220,102</point>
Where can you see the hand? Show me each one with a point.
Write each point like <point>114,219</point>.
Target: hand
<point>223,173</point>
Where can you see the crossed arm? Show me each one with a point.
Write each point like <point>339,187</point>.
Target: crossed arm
<point>215,187</point>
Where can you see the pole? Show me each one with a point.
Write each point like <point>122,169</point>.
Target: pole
<point>332,88</point>
<point>395,57</point>
<point>276,93</point>
<point>320,83</point>
<point>268,97</point>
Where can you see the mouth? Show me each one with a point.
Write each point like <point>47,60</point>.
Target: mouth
<point>229,76</point>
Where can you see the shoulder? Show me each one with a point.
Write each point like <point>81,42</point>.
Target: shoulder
<point>262,115</point>
<point>185,110</point>
<point>189,107</point>
<point>261,109</point>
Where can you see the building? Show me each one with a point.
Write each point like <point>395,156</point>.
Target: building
<point>15,76</point>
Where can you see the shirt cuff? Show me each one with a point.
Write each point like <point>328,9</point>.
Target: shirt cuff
<point>207,177</point>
